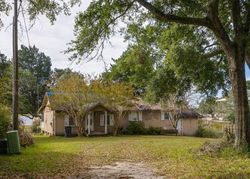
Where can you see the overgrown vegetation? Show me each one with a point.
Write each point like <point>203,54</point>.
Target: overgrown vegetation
<point>4,121</point>
<point>208,132</point>
<point>26,139</point>
<point>36,126</point>
<point>135,128</point>
<point>171,156</point>
<point>138,128</point>
<point>77,91</point>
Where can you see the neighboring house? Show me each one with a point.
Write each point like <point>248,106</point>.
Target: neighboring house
<point>100,119</point>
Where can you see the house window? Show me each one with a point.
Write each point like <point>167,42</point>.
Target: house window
<point>68,121</point>
<point>110,119</point>
<point>135,116</point>
<point>165,115</point>
<point>71,121</point>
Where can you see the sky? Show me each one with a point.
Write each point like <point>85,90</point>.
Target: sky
<point>53,39</point>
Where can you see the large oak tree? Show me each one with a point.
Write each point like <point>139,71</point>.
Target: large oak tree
<point>226,25</point>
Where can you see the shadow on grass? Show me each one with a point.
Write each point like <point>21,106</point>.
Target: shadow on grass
<point>34,164</point>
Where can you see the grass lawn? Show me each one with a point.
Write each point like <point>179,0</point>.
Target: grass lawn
<point>169,155</point>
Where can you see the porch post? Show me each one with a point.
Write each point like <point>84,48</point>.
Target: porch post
<point>105,122</point>
<point>88,124</point>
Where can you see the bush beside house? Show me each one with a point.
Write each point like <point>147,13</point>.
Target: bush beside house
<point>208,132</point>
<point>36,126</point>
<point>138,128</point>
<point>135,128</point>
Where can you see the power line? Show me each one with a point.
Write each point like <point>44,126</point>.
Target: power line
<point>25,26</point>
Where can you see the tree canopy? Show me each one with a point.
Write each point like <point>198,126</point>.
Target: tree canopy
<point>48,8</point>
<point>35,70</point>
<point>135,66</point>
<point>34,75</point>
<point>222,27</point>
<point>75,93</point>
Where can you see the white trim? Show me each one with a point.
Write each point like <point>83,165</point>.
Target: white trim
<point>162,115</point>
<point>92,121</point>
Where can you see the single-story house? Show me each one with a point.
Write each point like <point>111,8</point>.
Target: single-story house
<point>100,119</point>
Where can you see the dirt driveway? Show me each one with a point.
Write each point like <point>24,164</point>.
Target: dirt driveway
<point>119,170</point>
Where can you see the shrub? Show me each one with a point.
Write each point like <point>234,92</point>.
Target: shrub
<point>36,126</point>
<point>208,132</point>
<point>25,137</point>
<point>4,121</point>
<point>135,128</point>
<point>153,131</point>
<point>214,147</point>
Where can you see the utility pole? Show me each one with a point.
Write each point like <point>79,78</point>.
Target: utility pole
<point>15,70</point>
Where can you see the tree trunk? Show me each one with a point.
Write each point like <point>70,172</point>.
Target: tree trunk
<point>238,80</point>
<point>117,123</point>
<point>80,127</point>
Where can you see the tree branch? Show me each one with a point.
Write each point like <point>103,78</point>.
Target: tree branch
<point>218,29</point>
<point>236,17</point>
<point>30,116</point>
<point>160,15</point>
<point>247,23</point>
<point>213,53</point>
<point>210,45</point>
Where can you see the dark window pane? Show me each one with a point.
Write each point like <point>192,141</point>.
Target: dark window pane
<point>71,121</point>
<point>166,115</point>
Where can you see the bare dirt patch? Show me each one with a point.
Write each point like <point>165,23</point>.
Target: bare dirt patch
<point>120,170</point>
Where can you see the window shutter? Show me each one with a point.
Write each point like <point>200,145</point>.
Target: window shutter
<point>102,120</point>
<point>66,120</point>
<point>111,120</point>
<point>140,115</point>
<point>162,115</point>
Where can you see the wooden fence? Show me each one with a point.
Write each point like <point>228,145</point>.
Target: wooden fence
<point>217,125</point>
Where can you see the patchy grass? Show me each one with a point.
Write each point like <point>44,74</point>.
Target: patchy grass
<point>170,156</point>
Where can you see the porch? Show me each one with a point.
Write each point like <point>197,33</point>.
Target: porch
<point>99,121</point>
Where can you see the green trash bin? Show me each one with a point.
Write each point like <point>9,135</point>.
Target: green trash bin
<point>13,142</point>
